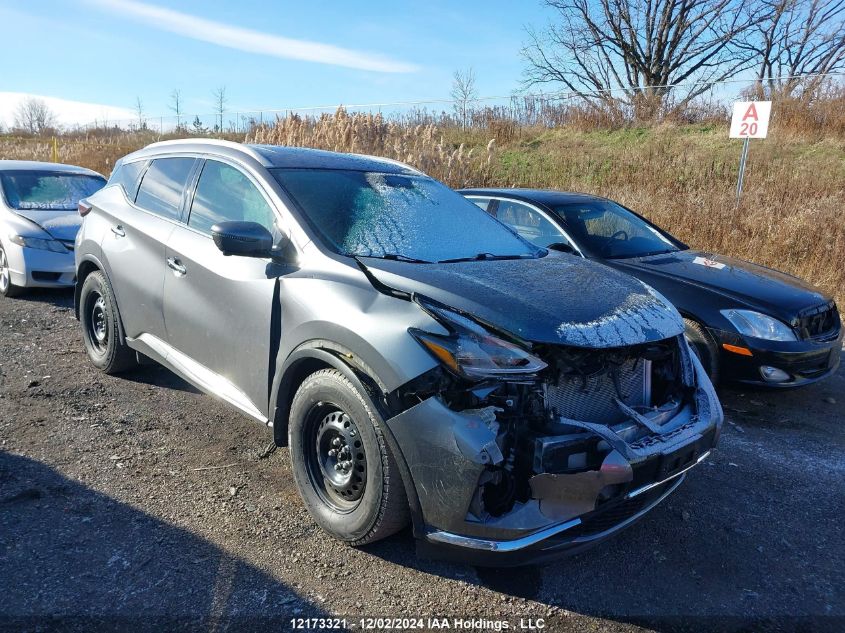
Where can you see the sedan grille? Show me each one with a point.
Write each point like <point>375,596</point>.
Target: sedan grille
<point>820,322</point>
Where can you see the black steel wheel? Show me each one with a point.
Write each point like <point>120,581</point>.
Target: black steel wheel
<point>343,466</point>
<point>337,465</point>
<point>101,327</point>
<point>97,322</point>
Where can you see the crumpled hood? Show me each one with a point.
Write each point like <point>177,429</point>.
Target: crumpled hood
<point>758,287</point>
<point>62,225</point>
<point>557,299</point>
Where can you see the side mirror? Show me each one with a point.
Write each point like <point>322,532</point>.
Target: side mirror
<point>247,239</point>
<point>563,247</point>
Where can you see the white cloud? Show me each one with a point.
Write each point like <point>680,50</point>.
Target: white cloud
<point>67,112</point>
<point>249,40</point>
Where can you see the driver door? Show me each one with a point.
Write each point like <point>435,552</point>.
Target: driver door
<point>219,310</point>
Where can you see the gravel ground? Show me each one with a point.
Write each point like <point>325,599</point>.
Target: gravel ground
<point>138,503</point>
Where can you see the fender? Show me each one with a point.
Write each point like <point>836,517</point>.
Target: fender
<point>314,355</point>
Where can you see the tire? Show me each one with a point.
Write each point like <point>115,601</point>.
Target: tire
<point>7,288</point>
<point>703,345</point>
<point>101,326</point>
<point>358,503</point>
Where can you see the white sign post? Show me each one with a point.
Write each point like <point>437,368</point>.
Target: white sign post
<point>750,120</point>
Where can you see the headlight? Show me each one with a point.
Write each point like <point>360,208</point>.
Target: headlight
<point>473,352</point>
<point>39,243</point>
<point>758,325</point>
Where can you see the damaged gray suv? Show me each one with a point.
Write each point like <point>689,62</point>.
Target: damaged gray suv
<point>422,362</point>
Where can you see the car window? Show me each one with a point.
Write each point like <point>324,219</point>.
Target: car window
<point>529,223</point>
<point>481,203</point>
<point>162,186</point>
<point>373,214</point>
<point>47,191</point>
<point>225,194</point>
<point>607,229</point>
<point>128,176</point>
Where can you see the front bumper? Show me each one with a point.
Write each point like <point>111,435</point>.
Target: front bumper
<point>804,362</point>
<point>564,539</point>
<point>35,268</point>
<point>447,451</point>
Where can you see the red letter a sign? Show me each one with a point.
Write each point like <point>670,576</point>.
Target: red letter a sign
<point>751,113</point>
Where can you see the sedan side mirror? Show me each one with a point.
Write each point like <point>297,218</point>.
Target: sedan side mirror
<point>247,239</point>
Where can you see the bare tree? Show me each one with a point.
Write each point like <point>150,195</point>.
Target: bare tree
<point>220,101</point>
<point>463,93</point>
<point>176,106</point>
<point>797,42</point>
<point>631,51</point>
<point>33,115</point>
<point>139,112</point>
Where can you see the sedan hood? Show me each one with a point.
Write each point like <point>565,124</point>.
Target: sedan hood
<point>756,286</point>
<point>557,299</point>
<point>62,225</point>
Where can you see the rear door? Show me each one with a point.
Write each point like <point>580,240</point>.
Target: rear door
<point>135,244</point>
<point>218,310</point>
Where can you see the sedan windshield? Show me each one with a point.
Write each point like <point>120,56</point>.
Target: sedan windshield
<point>47,191</point>
<point>398,216</point>
<point>605,229</point>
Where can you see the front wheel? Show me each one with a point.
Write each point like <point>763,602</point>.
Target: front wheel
<point>703,346</point>
<point>101,328</point>
<point>7,288</point>
<point>344,470</point>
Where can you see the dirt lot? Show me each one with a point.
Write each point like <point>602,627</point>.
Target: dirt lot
<point>137,503</point>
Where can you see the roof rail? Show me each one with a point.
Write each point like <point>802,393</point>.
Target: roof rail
<point>214,142</point>
<point>392,161</point>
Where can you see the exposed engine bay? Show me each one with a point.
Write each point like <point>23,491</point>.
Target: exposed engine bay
<point>584,432</point>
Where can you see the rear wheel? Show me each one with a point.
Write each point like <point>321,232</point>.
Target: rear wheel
<point>703,345</point>
<point>101,327</point>
<point>343,467</point>
<point>7,288</point>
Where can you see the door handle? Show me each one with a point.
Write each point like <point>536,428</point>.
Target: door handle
<point>176,266</point>
<point>118,231</point>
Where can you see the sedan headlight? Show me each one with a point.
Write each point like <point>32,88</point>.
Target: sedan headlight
<point>754,324</point>
<point>39,243</point>
<point>470,350</point>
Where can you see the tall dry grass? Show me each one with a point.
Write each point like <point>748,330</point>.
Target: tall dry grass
<point>683,177</point>
<point>422,145</point>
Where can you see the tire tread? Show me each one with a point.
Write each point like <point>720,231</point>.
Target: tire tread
<point>393,512</point>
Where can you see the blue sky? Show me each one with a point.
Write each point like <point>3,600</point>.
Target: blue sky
<point>107,52</point>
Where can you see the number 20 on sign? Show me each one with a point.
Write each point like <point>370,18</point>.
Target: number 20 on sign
<point>750,120</point>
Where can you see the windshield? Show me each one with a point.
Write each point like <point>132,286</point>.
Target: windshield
<point>397,216</point>
<point>48,191</point>
<point>605,229</point>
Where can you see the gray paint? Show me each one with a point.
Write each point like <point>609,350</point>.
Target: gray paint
<point>216,323</point>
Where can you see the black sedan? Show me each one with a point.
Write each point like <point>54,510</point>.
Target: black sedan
<point>746,322</point>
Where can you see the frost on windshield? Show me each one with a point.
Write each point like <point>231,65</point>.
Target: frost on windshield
<point>372,214</point>
<point>32,190</point>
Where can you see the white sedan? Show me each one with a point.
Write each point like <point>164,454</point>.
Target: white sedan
<point>39,222</point>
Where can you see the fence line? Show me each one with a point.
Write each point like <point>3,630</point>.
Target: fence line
<point>248,118</point>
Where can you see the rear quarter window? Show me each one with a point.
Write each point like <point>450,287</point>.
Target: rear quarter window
<point>163,186</point>
<point>128,177</point>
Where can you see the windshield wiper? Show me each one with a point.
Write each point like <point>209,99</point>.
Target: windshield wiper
<point>399,258</point>
<point>483,257</point>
